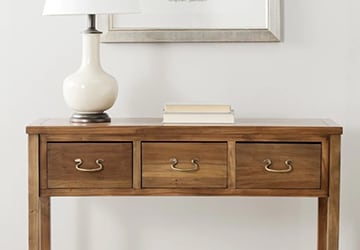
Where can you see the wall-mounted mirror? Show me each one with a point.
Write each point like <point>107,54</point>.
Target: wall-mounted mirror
<point>198,21</point>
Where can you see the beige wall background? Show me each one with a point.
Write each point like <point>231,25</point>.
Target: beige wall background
<point>313,73</point>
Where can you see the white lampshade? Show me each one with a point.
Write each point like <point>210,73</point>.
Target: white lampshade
<point>84,7</point>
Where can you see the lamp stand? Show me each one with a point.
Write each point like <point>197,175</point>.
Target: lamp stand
<point>90,90</point>
<point>90,118</point>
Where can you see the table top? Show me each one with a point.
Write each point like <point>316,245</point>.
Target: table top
<point>59,125</point>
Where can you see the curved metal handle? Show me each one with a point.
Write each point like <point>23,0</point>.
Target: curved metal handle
<point>194,162</point>
<point>288,164</point>
<point>98,162</point>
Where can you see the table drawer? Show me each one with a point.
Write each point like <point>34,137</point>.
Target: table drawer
<point>278,165</point>
<point>184,165</point>
<point>89,165</point>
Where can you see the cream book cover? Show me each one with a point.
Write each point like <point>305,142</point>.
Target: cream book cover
<point>193,117</point>
<point>197,108</point>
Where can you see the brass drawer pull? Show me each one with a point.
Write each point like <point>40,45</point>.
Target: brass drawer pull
<point>98,162</point>
<point>194,162</point>
<point>288,164</point>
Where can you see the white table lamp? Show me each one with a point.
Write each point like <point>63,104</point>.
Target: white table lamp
<point>90,90</point>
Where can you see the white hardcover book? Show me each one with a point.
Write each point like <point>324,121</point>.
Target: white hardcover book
<point>197,108</point>
<point>170,117</point>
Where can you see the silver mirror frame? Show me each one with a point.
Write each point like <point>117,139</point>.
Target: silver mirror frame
<point>270,34</point>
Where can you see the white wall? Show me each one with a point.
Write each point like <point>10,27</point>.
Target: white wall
<point>313,73</point>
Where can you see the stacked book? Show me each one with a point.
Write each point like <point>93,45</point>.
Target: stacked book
<point>198,114</point>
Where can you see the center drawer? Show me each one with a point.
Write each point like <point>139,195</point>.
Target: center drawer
<point>184,165</point>
<point>89,165</point>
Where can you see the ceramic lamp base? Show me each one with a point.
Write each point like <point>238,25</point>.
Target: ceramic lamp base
<point>90,91</point>
<point>90,118</point>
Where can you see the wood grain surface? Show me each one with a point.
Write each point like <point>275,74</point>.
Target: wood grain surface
<point>305,158</point>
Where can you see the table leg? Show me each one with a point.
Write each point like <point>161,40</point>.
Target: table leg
<point>39,207</point>
<point>34,192</point>
<point>45,223</point>
<point>34,223</point>
<point>328,224</point>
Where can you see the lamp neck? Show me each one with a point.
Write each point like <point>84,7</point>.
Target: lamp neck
<point>92,25</point>
<point>91,50</point>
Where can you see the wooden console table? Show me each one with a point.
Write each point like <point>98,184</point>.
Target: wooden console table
<point>141,157</point>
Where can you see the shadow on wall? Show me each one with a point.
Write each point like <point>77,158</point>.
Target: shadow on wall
<point>145,86</point>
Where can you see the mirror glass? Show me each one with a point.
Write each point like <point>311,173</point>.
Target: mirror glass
<point>196,14</point>
<point>198,21</point>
